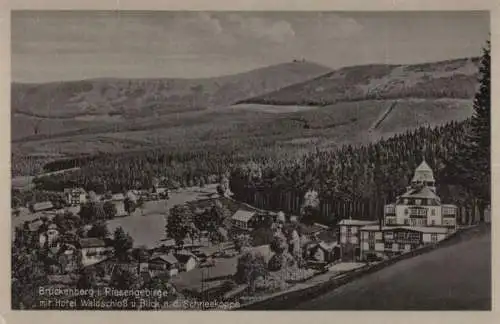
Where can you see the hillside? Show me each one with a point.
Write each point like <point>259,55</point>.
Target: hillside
<point>446,79</point>
<point>269,130</point>
<point>62,106</point>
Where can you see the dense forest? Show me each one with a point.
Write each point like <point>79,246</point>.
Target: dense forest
<point>137,170</point>
<point>354,181</point>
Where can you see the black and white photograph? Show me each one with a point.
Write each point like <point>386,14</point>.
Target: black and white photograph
<point>250,160</point>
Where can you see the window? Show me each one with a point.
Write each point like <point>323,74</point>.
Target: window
<point>388,246</point>
<point>433,222</point>
<point>418,202</point>
<point>406,211</point>
<point>413,222</point>
<point>407,221</point>
<point>433,212</point>
<point>405,201</point>
<point>434,238</point>
<point>371,246</point>
<point>371,236</point>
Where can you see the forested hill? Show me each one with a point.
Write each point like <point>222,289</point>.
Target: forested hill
<point>358,177</point>
<point>354,181</point>
<point>446,79</point>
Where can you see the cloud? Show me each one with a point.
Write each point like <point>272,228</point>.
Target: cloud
<point>199,22</point>
<point>335,26</point>
<point>275,31</point>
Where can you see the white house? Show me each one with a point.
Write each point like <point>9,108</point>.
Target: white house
<point>416,218</point>
<point>75,196</point>
<point>349,237</point>
<point>389,240</point>
<point>94,250</point>
<point>243,219</point>
<point>187,260</point>
<point>420,205</point>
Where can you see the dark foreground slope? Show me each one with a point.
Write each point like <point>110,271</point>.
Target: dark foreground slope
<point>456,277</point>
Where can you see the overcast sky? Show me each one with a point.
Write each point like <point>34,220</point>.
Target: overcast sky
<point>49,46</point>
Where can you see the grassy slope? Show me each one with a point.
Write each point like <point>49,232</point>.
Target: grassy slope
<point>275,127</point>
<point>330,125</point>
<point>447,79</point>
<point>66,106</point>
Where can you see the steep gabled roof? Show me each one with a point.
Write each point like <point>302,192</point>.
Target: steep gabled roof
<point>423,192</point>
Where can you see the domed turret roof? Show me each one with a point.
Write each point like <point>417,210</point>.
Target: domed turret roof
<point>423,173</point>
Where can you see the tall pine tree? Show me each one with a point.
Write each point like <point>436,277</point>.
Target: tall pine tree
<point>471,167</point>
<point>480,134</point>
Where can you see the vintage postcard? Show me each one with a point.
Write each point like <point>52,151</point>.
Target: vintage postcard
<point>250,160</point>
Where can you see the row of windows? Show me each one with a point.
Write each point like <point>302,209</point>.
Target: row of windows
<point>391,246</point>
<point>449,210</point>
<point>419,212</point>
<point>419,202</point>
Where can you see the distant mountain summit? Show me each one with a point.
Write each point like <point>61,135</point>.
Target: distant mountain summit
<point>446,79</point>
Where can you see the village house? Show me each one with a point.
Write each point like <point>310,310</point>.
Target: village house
<point>322,252</point>
<point>391,240</point>
<point>94,250</point>
<point>68,259</point>
<point>416,218</point>
<point>163,263</point>
<point>75,196</point>
<point>42,206</point>
<point>119,201</point>
<point>243,219</point>
<point>349,238</point>
<point>50,237</point>
<point>187,260</point>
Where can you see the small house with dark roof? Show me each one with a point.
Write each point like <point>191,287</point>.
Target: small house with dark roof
<point>322,252</point>
<point>42,206</point>
<point>94,250</point>
<point>163,263</point>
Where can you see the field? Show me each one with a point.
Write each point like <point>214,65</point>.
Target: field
<point>336,124</point>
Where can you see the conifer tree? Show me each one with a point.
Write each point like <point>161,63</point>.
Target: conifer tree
<point>470,168</point>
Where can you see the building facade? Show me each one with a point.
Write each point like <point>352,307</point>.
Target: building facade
<point>349,238</point>
<point>416,218</point>
<point>94,250</point>
<point>76,196</point>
